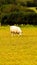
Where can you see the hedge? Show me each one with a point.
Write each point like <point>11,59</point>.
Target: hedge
<point>19,18</point>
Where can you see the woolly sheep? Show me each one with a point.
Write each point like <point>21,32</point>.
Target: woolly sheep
<point>15,30</point>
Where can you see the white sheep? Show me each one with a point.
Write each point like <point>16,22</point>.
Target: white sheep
<point>15,30</point>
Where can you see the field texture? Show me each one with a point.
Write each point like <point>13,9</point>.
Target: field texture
<point>18,50</point>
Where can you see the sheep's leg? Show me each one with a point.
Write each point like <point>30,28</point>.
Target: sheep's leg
<point>13,34</point>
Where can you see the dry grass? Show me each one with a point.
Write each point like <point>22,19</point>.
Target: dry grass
<point>18,50</point>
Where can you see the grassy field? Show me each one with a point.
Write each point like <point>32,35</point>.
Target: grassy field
<point>18,50</point>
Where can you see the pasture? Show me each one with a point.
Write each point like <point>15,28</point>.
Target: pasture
<point>18,50</point>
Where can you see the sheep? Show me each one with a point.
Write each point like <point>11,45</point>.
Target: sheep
<point>15,30</point>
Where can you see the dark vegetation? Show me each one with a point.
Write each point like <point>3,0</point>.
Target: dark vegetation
<point>13,12</point>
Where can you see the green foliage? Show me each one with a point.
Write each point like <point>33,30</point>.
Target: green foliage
<point>7,2</point>
<point>19,18</point>
<point>17,14</point>
<point>22,2</point>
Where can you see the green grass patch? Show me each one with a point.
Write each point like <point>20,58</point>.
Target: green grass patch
<point>18,50</point>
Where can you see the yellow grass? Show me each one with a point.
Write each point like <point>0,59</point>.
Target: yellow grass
<point>18,50</point>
